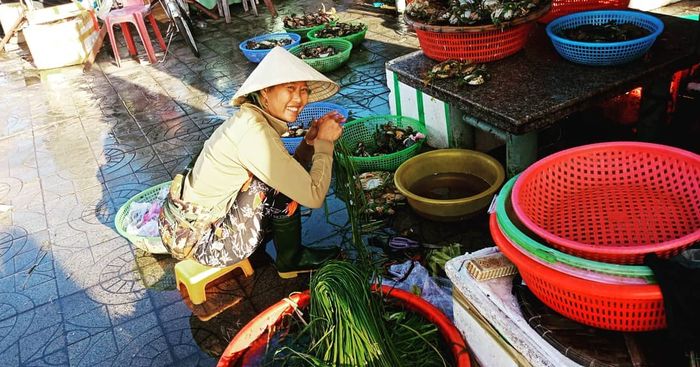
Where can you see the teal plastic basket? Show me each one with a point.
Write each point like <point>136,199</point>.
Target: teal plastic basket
<point>362,130</point>
<point>152,245</point>
<point>355,38</point>
<point>330,63</point>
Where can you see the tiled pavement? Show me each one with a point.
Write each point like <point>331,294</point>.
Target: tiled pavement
<point>75,146</point>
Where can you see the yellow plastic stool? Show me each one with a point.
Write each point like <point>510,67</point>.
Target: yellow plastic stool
<point>195,276</point>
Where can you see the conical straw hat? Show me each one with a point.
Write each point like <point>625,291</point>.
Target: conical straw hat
<point>280,66</point>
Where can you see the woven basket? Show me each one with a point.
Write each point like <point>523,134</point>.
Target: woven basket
<point>362,130</point>
<point>355,38</point>
<point>152,245</point>
<point>309,113</point>
<point>565,7</point>
<point>475,43</point>
<point>604,53</point>
<point>329,63</point>
<point>257,55</point>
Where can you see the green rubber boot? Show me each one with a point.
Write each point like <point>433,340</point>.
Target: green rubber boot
<point>293,258</point>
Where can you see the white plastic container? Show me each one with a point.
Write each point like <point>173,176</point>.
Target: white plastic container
<point>60,36</point>
<point>489,318</point>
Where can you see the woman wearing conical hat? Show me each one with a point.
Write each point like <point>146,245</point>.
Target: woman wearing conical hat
<point>244,180</point>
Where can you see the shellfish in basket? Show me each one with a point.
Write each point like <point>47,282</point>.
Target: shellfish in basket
<point>470,12</point>
<point>268,44</point>
<point>339,29</point>
<point>295,131</point>
<point>317,52</point>
<point>309,20</point>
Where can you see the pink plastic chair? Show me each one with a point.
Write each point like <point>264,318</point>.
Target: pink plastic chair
<point>134,11</point>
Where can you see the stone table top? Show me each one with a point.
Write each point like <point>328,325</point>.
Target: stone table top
<point>536,87</point>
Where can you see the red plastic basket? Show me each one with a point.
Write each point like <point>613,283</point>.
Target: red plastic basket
<point>564,7</point>
<point>606,306</point>
<point>613,202</point>
<point>475,43</point>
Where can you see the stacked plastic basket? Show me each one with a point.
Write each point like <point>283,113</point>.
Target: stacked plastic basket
<point>579,223</point>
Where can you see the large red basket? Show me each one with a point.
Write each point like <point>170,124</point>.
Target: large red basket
<point>564,7</point>
<point>607,306</point>
<point>475,43</point>
<point>613,202</point>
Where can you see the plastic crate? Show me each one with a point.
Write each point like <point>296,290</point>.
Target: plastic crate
<point>309,113</point>
<point>604,54</point>
<point>355,38</point>
<point>362,130</point>
<point>565,7</point>
<point>257,55</point>
<point>329,63</point>
<point>152,245</point>
<point>613,202</point>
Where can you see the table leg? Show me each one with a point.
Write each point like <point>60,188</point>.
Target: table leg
<point>653,109</point>
<point>462,135</point>
<point>521,152</point>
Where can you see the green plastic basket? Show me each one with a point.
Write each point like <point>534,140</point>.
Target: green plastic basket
<point>152,245</point>
<point>304,32</point>
<point>329,63</point>
<point>355,38</point>
<point>362,130</point>
<point>550,255</point>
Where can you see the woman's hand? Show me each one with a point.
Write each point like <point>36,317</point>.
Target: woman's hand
<point>325,128</point>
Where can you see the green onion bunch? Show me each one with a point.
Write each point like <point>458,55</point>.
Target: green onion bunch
<point>348,328</point>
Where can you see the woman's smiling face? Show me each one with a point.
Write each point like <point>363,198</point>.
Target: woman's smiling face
<point>285,101</point>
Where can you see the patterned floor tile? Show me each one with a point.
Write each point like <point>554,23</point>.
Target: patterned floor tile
<point>33,335</point>
<point>74,292</point>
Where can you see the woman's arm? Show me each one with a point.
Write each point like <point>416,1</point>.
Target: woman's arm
<point>304,153</point>
<point>264,155</point>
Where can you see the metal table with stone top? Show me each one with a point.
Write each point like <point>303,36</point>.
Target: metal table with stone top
<point>536,87</point>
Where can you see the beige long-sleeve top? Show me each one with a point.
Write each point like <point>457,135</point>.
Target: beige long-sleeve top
<point>250,142</point>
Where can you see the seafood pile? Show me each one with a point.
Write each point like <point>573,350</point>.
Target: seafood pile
<point>470,12</point>
<point>464,72</point>
<point>339,29</point>
<point>317,52</point>
<point>295,131</point>
<point>604,33</point>
<point>381,195</point>
<point>268,44</point>
<point>388,139</point>
<point>309,20</point>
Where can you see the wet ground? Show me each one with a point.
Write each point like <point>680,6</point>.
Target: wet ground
<point>75,146</point>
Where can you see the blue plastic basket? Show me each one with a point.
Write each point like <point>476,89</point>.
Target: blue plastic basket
<point>604,54</point>
<point>257,55</point>
<point>310,112</point>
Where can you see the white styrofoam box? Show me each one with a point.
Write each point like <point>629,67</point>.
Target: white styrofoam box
<point>60,35</point>
<point>9,13</point>
<point>493,301</point>
<point>650,4</point>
